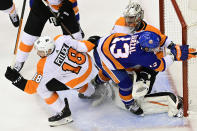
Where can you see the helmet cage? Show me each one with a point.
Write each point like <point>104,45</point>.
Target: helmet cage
<point>133,14</point>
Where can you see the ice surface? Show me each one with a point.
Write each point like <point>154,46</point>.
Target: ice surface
<point>22,112</point>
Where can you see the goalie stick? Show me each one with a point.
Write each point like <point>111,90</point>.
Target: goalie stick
<point>62,24</point>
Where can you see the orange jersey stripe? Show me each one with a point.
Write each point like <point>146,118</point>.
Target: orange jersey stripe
<point>79,80</point>
<point>83,88</point>
<point>32,85</point>
<point>121,22</point>
<point>52,99</point>
<point>126,98</point>
<point>56,7</point>
<point>72,1</point>
<point>160,54</point>
<point>115,79</point>
<point>106,50</point>
<point>153,29</point>
<point>55,38</point>
<point>40,65</point>
<point>25,48</point>
<point>161,67</point>
<point>76,10</point>
<point>102,77</point>
<point>88,44</point>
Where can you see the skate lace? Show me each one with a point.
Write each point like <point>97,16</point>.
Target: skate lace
<point>14,17</point>
<point>58,115</point>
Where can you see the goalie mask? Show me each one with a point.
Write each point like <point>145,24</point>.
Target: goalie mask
<point>149,41</point>
<point>44,46</point>
<point>133,15</point>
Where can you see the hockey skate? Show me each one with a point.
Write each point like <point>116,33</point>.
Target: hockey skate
<point>134,108</point>
<point>14,19</point>
<point>62,118</point>
<point>102,92</point>
<point>99,90</point>
<point>18,66</point>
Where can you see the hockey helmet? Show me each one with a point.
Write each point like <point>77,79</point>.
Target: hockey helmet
<point>133,14</point>
<point>44,46</point>
<point>149,41</point>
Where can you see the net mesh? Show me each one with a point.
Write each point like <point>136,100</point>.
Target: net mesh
<point>173,30</point>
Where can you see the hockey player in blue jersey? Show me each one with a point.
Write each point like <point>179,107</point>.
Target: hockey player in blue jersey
<point>117,52</point>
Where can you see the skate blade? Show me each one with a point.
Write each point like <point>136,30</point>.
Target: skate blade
<point>64,121</point>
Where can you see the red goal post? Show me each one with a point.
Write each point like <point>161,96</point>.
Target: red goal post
<point>174,13</point>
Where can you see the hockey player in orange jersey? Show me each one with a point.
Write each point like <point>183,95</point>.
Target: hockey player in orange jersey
<point>60,63</point>
<point>67,12</point>
<point>8,6</point>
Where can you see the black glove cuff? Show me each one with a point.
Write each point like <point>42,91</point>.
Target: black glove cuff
<point>171,45</point>
<point>150,71</point>
<point>20,83</point>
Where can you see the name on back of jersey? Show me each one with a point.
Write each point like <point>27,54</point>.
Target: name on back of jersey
<point>62,55</point>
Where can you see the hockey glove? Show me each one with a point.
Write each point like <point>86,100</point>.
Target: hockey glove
<point>182,53</point>
<point>63,12</point>
<point>94,39</point>
<point>142,84</point>
<point>55,85</point>
<point>16,78</point>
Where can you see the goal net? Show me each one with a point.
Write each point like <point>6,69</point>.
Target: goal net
<point>178,20</point>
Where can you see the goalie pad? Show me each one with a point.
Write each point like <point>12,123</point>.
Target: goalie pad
<point>162,102</point>
<point>153,103</point>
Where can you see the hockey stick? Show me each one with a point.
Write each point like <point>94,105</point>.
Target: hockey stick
<point>18,33</point>
<point>62,24</point>
<point>19,28</point>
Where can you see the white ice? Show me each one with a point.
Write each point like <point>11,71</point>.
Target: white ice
<point>22,112</point>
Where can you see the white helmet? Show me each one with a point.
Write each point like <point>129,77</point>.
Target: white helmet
<point>133,13</point>
<point>45,45</point>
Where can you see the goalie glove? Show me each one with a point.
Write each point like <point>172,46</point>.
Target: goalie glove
<point>141,86</point>
<point>181,52</point>
<point>16,78</point>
